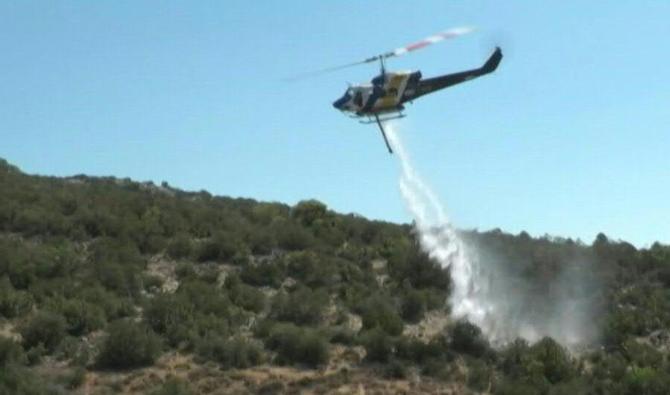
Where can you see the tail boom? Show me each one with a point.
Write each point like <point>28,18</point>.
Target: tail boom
<point>430,85</point>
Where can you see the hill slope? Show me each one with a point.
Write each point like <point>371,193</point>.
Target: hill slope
<point>109,285</point>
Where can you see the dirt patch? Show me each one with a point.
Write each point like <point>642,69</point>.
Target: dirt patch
<point>432,324</point>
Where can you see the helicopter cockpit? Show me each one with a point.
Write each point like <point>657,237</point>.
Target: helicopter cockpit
<point>353,99</point>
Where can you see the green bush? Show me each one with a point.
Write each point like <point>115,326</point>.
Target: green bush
<point>82,317</point>
<point>236,353</point>
<point>245,296</point>
<point>396,369</point>
<point>263,274</point>
<point>297,345</point>
<point>291,236</point>
<point>75,378</point>
<point>647,381</point>
<point>13,303</point>
<point>479,375</point>
<point>378,311</point>
<point>378,345</point>
<point>308,211</point>
<point>467,338</point>
<point>16,379</point>
<point>180,247</point>
<point>10,352</point>
<point>171,316</point>
<point>417,351</point>
<point>46,328</point>
<point>128,345</point>
<point>556,362</point>
<point>302,307</point>
<point>173,386</point>
<point>221,247</point>
<point>311,269</point>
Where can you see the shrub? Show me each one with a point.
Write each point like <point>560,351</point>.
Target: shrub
<point>379,312</point>
<point>308,211</point>
<point>180,247</point>
<point>291,236</point>
<point>13,303</point>
<point>417,351</point>
<point>75,378</point>
<point>261,241</point>
<point>173,386</point>
<point>556,362</point>
<point>413,306</point>
<point>297,345</point>
<point>46,328</point>
<point>646,381</point>
<point>378,345</point>
<point>10,352</point>
<point>467,338</point>
<point>128,345</point>
<point>171,316</point>
<point>245,296</point>
<point>234,353</point>
<point>185,270</point>
<point>263,274</point>
<point>82,317</point>
<point>221,247</point>
<point>311,269</point>
<point>165,311</point>
<point>479,375</point>
<point>395,369</point>
<point>414,266</point>
<point>302,307</point>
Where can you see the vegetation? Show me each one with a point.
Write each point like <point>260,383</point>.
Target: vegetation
<point>106,274</point>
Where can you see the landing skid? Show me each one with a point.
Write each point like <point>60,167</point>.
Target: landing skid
<point>379,121</point>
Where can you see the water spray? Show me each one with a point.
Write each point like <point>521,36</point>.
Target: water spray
<point>483,292</point>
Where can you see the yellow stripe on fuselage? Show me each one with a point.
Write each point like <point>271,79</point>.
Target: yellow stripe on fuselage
<point>393,92</point>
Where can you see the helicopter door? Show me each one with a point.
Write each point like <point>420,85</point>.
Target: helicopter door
<point>358,99</point>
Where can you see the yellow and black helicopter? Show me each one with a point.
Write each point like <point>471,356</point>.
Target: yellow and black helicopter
<point>384,97</point>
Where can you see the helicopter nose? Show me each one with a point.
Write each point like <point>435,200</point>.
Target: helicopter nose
<point>339,103</point>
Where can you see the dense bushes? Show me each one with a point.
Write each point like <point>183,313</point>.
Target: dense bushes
<point>74,257</point>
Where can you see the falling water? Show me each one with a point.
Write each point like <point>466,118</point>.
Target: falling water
<point>483,291</point>
<point>439,239</point>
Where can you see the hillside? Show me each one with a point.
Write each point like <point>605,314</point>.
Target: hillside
<point>109,286</point>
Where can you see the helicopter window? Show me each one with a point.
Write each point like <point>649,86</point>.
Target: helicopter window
<point>358,99</point>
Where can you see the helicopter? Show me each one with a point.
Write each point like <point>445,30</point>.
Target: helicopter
<point>384,97</point>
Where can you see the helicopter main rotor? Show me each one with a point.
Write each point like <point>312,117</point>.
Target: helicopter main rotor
<point>446,34</point>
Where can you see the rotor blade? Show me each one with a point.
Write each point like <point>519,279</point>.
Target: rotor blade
<point>451,33</point>
<point>324,71</point>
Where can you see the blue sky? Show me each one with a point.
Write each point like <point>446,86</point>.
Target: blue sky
<point>569,137</point>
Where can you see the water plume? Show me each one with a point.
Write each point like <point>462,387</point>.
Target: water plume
<point>485,291</point>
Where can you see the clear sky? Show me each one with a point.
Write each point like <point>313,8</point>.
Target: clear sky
<point>569,137</point>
